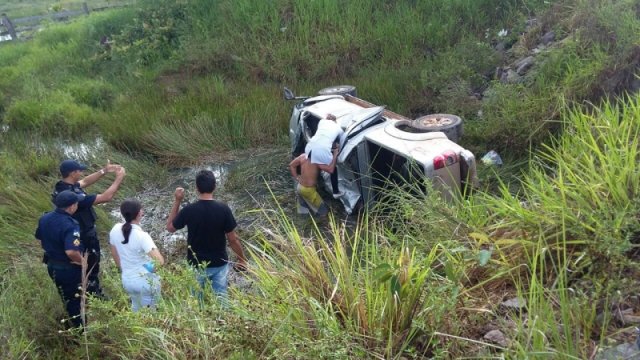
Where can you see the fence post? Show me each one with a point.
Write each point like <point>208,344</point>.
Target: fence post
<point>85,8</point>
<point>4,20</point>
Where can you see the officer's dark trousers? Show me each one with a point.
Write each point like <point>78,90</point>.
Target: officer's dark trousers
<point>93,263</point>
<point>93,269</point>
<point>68,278</point>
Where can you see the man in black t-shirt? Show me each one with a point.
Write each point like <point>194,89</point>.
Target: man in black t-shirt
<point>73,179</point>
<point>210,224</point>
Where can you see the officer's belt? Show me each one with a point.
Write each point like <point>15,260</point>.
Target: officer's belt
<point>60,263</point>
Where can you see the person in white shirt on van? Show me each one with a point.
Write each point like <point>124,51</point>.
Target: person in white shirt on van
<point>321,149</point>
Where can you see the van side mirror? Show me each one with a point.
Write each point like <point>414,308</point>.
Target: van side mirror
<point>288,94</point>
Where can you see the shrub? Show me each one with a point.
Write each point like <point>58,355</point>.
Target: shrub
<point>153,36</point>
<point>57,114</point>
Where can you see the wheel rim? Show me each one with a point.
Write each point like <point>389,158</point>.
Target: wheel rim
<point>433,121</point>
<point>338,89</point>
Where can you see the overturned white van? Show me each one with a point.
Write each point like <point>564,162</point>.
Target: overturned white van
<point>383,147</point>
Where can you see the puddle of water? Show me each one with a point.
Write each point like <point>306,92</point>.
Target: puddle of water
<point>81,151</point>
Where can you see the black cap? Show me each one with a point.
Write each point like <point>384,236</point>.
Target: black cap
<point>66,199</point>
<point>68,166</point>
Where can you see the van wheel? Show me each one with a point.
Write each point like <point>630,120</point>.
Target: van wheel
<point>450,125</point>
<point>339,90</point>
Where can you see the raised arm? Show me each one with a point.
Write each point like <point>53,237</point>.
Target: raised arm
<point>108,194</point>
<point>92,178</point>
<point>178,196</point>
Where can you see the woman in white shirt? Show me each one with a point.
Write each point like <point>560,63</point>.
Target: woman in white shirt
<point>137,256</point>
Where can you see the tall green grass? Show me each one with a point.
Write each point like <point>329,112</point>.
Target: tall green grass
<point>583,185</point>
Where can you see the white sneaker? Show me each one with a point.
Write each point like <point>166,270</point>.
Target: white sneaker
<point>338,195</point>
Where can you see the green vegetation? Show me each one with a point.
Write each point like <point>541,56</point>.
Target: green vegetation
<point>20,8</point>
<point>177,81</point>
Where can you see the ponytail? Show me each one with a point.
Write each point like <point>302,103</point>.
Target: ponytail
<point>126,231</point>
<point>129,209</point>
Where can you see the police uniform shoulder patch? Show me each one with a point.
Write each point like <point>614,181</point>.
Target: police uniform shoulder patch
<point>76,242</point>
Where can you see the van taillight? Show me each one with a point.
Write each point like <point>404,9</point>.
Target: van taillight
<point>446,159</point>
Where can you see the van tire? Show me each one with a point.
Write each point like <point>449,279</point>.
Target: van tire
<point>339,90</point>
<point>450,125</point>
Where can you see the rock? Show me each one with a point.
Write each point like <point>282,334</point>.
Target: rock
<point>510,77</point>
<point>523,65</point>
<point>515,303</point>
<point>496,337</point>
<point>627,317</point>
<point>501,46</point>
<point>548,38</point>
<point>623,351</point>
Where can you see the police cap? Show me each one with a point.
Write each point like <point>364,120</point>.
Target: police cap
<point>68,166</point>
<point>66,199</point>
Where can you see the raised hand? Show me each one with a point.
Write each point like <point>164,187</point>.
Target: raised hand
<point>179,194</point>
<point>120,172</point>
<point>111,167</point>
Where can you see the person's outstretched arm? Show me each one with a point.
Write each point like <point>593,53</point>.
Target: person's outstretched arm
<point>92,178</point>
<point>108,194</point>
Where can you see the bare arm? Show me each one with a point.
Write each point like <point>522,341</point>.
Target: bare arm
<point>116,256</point>
<point>92,178</point>
<point>234,244</point>
<point>331,167</point>
<point>155,255</point>
<point>178,195</point>
<point>75,256</point>
<point>293,165</point>
<point>108,194</point>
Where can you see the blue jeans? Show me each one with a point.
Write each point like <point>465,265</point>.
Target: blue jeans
<point>143,290</point>
<point>217,276</point>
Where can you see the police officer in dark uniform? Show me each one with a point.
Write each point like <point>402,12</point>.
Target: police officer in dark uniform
<point>59,235</point>
<point>73,180</point>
